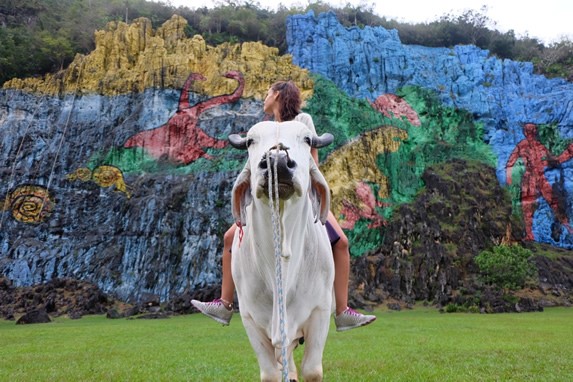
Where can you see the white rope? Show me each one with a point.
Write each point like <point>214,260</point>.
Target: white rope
<point>274,203</point>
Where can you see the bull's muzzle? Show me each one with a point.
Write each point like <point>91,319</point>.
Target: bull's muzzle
<point>279,161</point>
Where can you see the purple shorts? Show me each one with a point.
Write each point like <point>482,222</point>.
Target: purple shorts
<point>332,235</point>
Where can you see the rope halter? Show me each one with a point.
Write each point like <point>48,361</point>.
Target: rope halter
<point>274,204</point>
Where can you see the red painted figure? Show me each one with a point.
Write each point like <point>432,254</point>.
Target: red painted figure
<point>180,140</point>
<point>536,158</point>
<point>566,154</point>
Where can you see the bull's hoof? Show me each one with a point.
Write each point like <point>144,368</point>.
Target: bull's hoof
<point>293,380</point>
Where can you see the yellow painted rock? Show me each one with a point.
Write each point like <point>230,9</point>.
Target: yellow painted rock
<point>132,57</point>
<point>356,162</point>
<point>30,203</point>
<point>104,176</point>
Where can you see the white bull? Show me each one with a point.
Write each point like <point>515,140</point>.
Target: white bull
<point>307,263</point>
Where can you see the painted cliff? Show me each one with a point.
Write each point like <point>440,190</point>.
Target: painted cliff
<point>503,97</point>
<point>117,169</point>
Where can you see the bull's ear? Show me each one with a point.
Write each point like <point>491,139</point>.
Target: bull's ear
<point>241,196</point>
<point>319,193</point>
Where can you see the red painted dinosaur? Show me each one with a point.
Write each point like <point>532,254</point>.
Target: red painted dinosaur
<point>180,140</point>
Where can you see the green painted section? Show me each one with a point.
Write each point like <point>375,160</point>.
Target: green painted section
<point>132,160</point>
<point>552,139</point>
<point>445,133</point>
<point>335,112</point>
<point>136,160</point>
<point>517,172</point>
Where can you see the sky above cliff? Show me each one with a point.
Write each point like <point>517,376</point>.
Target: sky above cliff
<point>546,20</point>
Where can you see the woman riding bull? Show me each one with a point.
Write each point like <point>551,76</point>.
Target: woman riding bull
<point>283,101</point>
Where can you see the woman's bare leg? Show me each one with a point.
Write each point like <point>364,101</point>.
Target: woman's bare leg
<point>341,254</point>
<point>227,284</point>
<point>221,309</point>
<point>346,318</point>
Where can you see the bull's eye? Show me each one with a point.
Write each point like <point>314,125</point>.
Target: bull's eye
<point>307,140</point>
<point>249,141</point>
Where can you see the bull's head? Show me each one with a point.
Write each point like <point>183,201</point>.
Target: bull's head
<point>286,147</point>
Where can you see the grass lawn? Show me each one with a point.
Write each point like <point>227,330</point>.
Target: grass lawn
<point>415,345</point>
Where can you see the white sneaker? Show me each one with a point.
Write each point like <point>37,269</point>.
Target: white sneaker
<point>350,319</point>
<point>215,309</point>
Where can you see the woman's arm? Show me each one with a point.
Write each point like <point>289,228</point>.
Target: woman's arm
<point>314,153</point>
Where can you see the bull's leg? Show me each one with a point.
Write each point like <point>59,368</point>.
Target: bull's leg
<point>314,341</point>
<point>265,351</point>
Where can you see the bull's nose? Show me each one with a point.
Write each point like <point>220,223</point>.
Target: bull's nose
<point>284,162</point>
<point>285,167</point>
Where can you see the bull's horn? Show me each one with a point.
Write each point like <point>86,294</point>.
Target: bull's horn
<point>324,140</point>
<point>238,142</point>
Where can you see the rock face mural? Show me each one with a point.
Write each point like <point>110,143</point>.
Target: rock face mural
<point>501,95</point>
<point>534,184</point>
<point>117,169</point>
<point>29,203</point>
<point>179,140</point>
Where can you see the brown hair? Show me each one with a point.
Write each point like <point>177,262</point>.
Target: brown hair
<point>289,99</point>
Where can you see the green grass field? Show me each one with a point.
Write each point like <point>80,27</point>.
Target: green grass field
<point>415,345</point>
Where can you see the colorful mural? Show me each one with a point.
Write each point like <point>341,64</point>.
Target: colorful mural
<point>141,128</point>
<point>29,203</point>
<point>180,140</point>
<point>104,176</point>
<point>537,158</point>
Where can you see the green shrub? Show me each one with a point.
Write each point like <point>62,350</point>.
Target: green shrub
<point>474,309</point>
<point>463,308</point>
<point>451,308</point>
<point>506,266</point>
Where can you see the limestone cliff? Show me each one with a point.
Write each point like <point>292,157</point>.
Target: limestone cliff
<point>117,170</point>
<point>501,95</point>
<point>133,57</point>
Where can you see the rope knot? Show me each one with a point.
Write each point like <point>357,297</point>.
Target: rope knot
<point>279,147</point>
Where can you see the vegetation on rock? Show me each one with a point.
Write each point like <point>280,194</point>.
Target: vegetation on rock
<point>506,266</point>
<point>39,37</point>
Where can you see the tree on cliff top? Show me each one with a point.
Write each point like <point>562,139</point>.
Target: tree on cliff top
<point>37,37</point>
